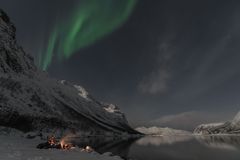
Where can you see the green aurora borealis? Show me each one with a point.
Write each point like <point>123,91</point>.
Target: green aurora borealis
<point>91,21</point>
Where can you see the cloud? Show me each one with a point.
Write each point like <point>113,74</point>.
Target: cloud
<point>157,80</point>
<point>189,120</point>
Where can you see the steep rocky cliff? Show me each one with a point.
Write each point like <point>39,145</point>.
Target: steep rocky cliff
<point>32,101</point>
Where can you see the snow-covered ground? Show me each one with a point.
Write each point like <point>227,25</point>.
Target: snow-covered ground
<point>18,148</point>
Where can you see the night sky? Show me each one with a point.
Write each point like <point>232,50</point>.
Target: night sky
<point>171,63</point>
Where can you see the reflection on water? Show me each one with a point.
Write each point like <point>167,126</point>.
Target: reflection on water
<point>220,141</point>
<point>115,145</point>
<point>167,147</point>
<point>162,140</point>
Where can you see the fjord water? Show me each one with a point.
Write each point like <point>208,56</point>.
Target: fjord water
<point>168,147</point>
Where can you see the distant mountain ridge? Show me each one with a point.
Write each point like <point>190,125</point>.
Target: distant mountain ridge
<point>32,101</point>
<point>161,131</point>
<point>230,127</point>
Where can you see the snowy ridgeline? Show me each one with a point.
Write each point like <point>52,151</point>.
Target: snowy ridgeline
<point>30,100</point>
<point>161,131</point>
<point>230,127</point>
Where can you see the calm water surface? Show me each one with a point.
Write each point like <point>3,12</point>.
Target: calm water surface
<point>168,147</point>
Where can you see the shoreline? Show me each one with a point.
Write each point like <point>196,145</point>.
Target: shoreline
<point>15,147</point>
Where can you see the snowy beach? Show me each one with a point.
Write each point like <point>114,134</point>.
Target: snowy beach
<point>20,148</point>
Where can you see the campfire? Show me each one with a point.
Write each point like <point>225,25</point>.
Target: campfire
<point>66,145</point>
<point>52,143</point>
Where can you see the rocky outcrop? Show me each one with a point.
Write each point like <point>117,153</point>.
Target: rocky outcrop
<point>12,57</point>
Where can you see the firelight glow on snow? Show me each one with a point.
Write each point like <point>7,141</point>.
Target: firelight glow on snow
<point>92,20</point>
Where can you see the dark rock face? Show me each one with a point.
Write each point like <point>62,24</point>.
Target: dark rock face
<point>32,101</point>
<point>12,56</point>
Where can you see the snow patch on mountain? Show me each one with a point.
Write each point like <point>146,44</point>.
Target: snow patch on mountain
<point>111,108</point>
<point>82,92</point>
<point>236,119</point>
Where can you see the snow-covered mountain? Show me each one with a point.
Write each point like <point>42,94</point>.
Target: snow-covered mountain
<point>31,100</point>
<point>230,127</point>
<point>161,131</point>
